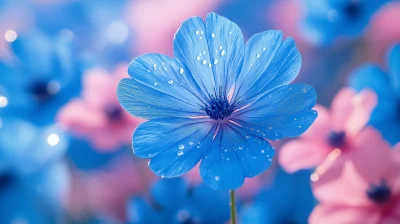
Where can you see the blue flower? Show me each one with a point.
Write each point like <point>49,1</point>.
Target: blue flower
<point>33,180</point>
<point>327,20</point>
<point>288,200</point>
<point>217,101</point>
<point>39,81</point>
<point>173,201</point>
<point>386,116</point>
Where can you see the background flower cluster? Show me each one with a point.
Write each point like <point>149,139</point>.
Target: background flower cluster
<point>66,143</point>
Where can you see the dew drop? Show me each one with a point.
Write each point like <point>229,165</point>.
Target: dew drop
<point>181,71</point>
<point>155,66</point>
<point>209,65</point>
<point>299,126</point>
<point>216,178</point>
<point>204,52</point>
<point>148,70</point>
<point>204,62</point>
<point>179,153</point>
<point>220,47</point>
<point>198,58</point>
<point>212,35</point>
<point>197,32</point>
<point>222,53</point>
<point>230,32</point>
<point>262,151</point>
<point>171,82</point>
<point>181,147</point>
<point>200,38</point>
<point>215,61</point>
<point>258,55</point>
<point>264,48</point>
<point>190,143</point>
<point>155,83</point>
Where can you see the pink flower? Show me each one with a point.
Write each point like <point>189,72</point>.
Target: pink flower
<point>97,115</point>
<point>336,135</point>
<point>369,199</point>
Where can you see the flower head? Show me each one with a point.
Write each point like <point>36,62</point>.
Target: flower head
<point>173,201</point>
<point>39,81</point>
<point>328,19</point>
<point>98,115</point>
<point>217,101</point>
<point>371,198</point>
<point>386,116</point>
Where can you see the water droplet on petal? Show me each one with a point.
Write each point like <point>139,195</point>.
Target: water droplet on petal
<point>258,55</point>
<point>230,32</point>
<point>197,32</point>
<point>201,32</point>
<point>171,82</point>
<point>220,47</point>
<point>204,52</point>
<point>222,53</point>
<point>212,35</point>
<point>262,151</point>
<point>155,83</point>
<point>216,178</point>
<point>204,62</point>
<point>181,147</point>
<point>179,153</point>
<point>181,71</point>
<point>190,143</point>
<point>215,61</point>
<point>264,48</point>
<point>198,58</point>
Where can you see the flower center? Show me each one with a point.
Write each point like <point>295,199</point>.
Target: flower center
<point>5,179</point>
<point>336,139</point>
<point>183,216</point>
<point>379,193</point>
<point>218,107</point>
<point>40,90</point>
<point>113,112</point>
<point>352,9</point>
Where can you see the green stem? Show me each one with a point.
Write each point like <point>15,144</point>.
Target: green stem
<point>232,205</point>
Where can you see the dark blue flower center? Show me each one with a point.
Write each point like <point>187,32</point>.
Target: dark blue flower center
<point>39,90</point>
<point>218,106</point>
<point>379,193</point>
<point>336,139</point>
<point>5,179</point>
<point>352,9</point>
<point>113,112</point>
<point>183,216</point>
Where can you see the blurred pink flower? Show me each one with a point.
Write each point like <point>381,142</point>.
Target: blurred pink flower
<point>97,115</point>
<point>107,191</point>
<point>381,33</point>
<point>155,22</point>
<point>371,199</point>
<point>336,133</point>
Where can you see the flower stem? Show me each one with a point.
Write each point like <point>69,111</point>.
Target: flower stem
<point>232,205</point>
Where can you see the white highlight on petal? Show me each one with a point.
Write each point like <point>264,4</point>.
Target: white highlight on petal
<point>230,93</point>
<point>199,117</point>
<point>235,123</point>
<point>10,36</point>
<point>3,101</point>
<point>216,131</point>
<point>244,107</point>
<point>53,139</point>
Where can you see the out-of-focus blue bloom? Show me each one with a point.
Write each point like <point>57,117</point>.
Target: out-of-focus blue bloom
<point>217,101</point>
<point>288,200</point>
<point>39,81</point>
<point>327,20</point>
<point>386,116</point>
<point>33,180</point>
<point>173,202</point>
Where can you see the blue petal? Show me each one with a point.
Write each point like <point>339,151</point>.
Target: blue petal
<point>34,51</point>
<point>209,57</point>
<point>371,76</point>
<point>149,102</point>
<point>394,67</point>
<point>175,145</point>
<point>170,194</point>
<point>221,169</point>
<point>140,212</point>
<point>268,64</point>
<point>283,112</point>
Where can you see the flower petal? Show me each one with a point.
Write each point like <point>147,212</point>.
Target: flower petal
<point>170,194</point>
<point>268,64</point>
<point>302,154</point>
<point>341,108</point>
<point>283,112</point>
<point>175,145</point>
<point>211,51</point>
<point>394,66</point>
<point>321,127</point>
<point>333,214</point>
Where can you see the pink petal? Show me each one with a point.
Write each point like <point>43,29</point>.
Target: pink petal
<point>363,103</point>
<point>342,107</point>
<point>302,154</point>
<point>370,154</point>
<point>341,214</point>
<point>99,88</point>
<point>321,127</point>
<point>394,216</point>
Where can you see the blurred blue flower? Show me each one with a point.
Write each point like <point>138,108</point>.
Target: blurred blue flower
<point>327,20</point>
<point>40,80</point>
<point>386,116</point>
<point>33,180</point>
<point>287,200</point>
<point>173,202</point>
<point>217,101</point>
